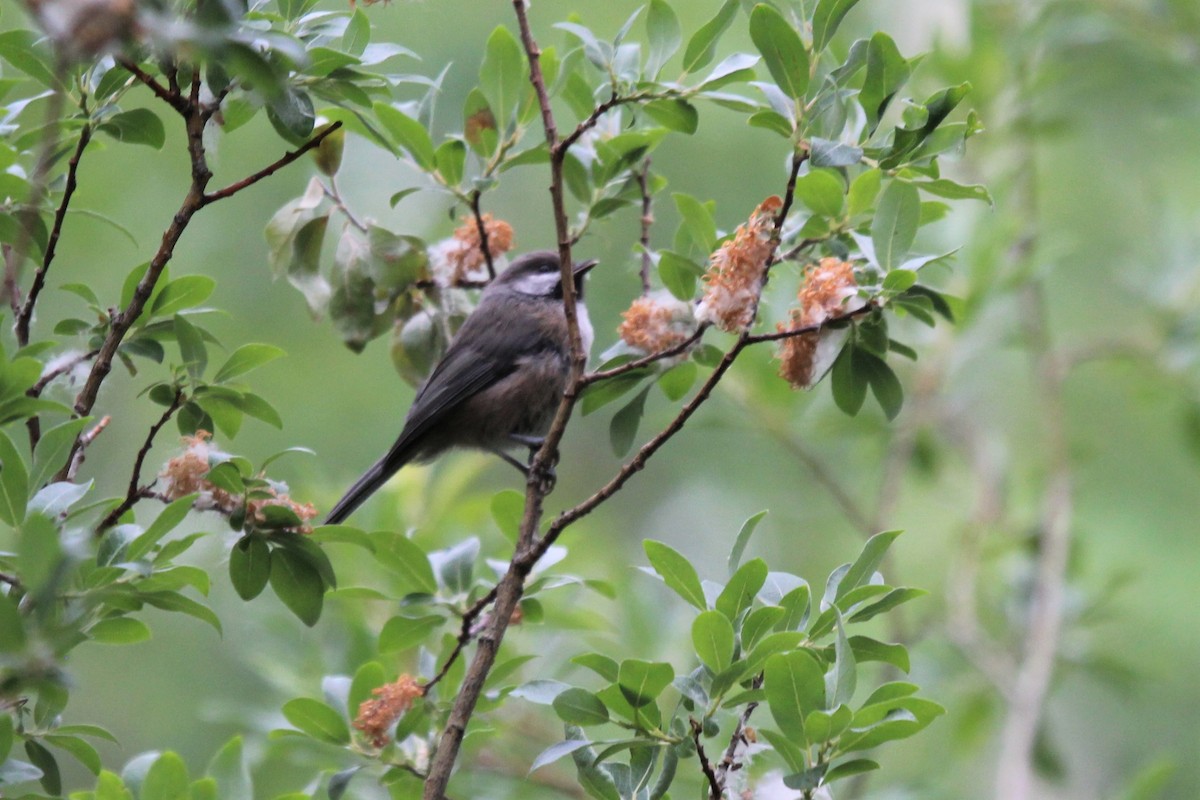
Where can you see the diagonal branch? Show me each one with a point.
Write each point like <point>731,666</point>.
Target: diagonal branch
<point>272,168</point>
<point>39,278</point>
<point>136,491</point>
<point>484,246</point>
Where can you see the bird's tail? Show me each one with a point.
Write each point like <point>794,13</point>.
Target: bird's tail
<point>364,487</point>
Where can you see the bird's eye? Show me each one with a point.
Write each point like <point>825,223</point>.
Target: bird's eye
<point>549,267</point>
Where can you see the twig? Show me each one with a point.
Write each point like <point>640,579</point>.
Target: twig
<point>484,246</point>
<point>331,191</point>
<point>643,179</point>
<point>638,363</point>
<point>775,336</point>
<point>729,762</point>
<point>272,168</point>
<point>714,784</point>
<point>81,446</point>
<point>465,634</point>
<point>172,97</point>
<point>136,491</point>
<point>11,580</point>
<point>25,316</point>
<point>49,377</point>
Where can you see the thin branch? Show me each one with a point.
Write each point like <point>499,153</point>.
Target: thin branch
<point>49,377</point>
<point>775,336</point>
<point>172,97</point>
<point>643,179</point>
<point>331,191</point>
<point>729,762</point>
<point>272,168</point>
<point>714,784</point>
<point>81,445</point>
<point>484,246</point>
<point>136,491</point>
<point>39,278</point>
<point>11,580</point>
<point>465,634</point>
<point>629,366</point>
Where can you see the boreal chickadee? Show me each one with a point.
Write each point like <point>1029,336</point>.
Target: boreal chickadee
<point>501,379</point>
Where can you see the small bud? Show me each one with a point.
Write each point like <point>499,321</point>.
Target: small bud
<point>328,153</point>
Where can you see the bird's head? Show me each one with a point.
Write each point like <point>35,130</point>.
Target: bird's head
<point>537,274</point>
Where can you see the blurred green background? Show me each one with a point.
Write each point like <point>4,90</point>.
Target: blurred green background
<point>1091,110</point>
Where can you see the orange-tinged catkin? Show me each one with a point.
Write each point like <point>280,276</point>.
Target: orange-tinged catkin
<point>736,269</point>
<point>460,258</point>
<point>656,322</point>
<point>376,717</point>
<point>829,290</point>
<point>186,474</point>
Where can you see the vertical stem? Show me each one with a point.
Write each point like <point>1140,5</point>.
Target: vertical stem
<point>643,179</point>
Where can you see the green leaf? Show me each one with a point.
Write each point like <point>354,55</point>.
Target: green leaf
<point>51,452</point>
<point>663,35</point>
<point>826,19</point>
<point>404,557</point>
<point>863,191</point>
<point>357,34</point>
<point>317,720</point>
<point>679,274</point>
<point>883,381</point>
<point>39,553</point>
<point>703,45</point>
<point>867,563</point>
<point>12,640</point>
<point>889,601</point>
<point>848,768</point>
<point>502,74</point>
<point>250,566</point>
<point>794,686</point>
<point>675,113</point>
<point>895,223</point>
<point>43,759</point>
<point>291,113</point>
<point>246,358</point>
<point>758,623</point>
<point>743,539</point>
<point>556,751</point>
<point>402,633</point>
<point>508,509</point>
<point>191,347</point>
<point>186,292</point>
<point>298,584</point>
<point>739,593</point>
<point>642,682</point>
<point>119,630</point>
<point>828,153</point>
<point>822,191</point>
<point>624,426</point>
<point>792,754</point>
<point>842,677</point>
<point>782,50</point>
<point>14,482</point>
<point>136,126</point>
<point>943,187</point>
<point>848,384</point>
<point>580,707</point>
<point>676,571</point>
<point>698,220</point>
<point>602,665</point>
<point>367,678</point>
<point>174,601</point>
<point>167,520</point>
<point>772,121</point>
<point>712,636</point>
<point>867,649</point>
<point>678,380</point>
<point>408,133</point>
<point>82,750</point>
<point>887,71</point>
<point>451,156</point>
<point>26,51</point>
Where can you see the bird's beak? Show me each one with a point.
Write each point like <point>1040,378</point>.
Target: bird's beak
<point>582,268</point>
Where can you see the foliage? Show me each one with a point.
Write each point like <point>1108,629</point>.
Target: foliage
<point>859,181</point>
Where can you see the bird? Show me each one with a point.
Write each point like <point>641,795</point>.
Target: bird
<point>500,381</point>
